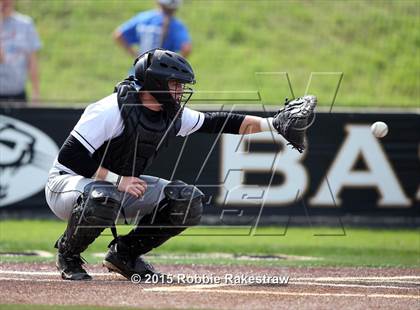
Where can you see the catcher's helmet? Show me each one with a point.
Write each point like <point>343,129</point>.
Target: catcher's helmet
<point>155,68</point>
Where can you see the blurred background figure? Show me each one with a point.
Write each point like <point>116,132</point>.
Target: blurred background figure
<point>19,43</point>
<point>153,29</point>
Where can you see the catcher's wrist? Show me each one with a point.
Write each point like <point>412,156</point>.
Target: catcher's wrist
<point>266,124</point>
<point>113,178</point>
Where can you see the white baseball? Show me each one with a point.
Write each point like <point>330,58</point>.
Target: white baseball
<point>379,129</point>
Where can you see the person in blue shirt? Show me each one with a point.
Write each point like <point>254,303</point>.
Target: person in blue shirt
<point>19,45</point>
<point>155,29</point>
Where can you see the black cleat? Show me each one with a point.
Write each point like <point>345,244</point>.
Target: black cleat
<point>121,262</point>
<point>70,267</point>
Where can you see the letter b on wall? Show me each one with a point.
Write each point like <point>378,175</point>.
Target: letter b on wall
<point>237,159</point>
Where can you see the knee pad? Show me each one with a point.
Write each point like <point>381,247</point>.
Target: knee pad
<point>97,208</point>
<point>101,202</point>
<point>185,203</point>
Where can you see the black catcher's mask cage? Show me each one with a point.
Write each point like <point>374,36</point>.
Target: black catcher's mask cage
<point>155,68</point>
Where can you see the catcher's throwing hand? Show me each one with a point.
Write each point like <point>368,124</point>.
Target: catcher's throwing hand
<point>293,120</point>
<point>132,185</point>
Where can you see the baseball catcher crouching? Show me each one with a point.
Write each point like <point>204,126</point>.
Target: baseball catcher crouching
<point>98,177</point>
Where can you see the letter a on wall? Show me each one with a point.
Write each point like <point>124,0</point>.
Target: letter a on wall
<point>360,143</point>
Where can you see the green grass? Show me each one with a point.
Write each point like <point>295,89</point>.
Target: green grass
<point>374,43</point>
<point>358,247</point>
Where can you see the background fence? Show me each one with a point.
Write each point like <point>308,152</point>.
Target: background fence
<point>346,173</point>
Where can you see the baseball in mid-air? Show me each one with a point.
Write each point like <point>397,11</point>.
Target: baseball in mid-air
<point>379,129</point>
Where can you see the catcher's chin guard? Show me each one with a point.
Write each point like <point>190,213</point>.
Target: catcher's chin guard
<point>293,120</point>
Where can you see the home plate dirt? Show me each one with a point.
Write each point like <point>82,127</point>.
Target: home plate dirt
<point>218,287</point>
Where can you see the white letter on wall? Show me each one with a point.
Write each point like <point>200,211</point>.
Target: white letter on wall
<point>236,160</point>
<point>379,173</point>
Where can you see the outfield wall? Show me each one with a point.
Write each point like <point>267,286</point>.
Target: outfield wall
<point>345,174</point>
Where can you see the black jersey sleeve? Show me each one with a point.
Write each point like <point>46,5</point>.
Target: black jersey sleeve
<point>225,122</point>
<point>76,157</point>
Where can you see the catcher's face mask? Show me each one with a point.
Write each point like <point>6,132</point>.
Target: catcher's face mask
<point>180,93</point>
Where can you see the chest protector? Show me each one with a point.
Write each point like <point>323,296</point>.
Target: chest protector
<point>145,134</point>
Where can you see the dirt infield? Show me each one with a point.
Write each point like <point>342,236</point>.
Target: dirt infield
<point>308,288</point>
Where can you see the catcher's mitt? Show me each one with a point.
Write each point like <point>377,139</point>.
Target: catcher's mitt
<point>292,121</point>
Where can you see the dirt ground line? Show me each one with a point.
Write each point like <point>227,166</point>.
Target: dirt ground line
<point>259,292</point>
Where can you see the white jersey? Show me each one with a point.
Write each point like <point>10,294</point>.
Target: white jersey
<point>101,121</point>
